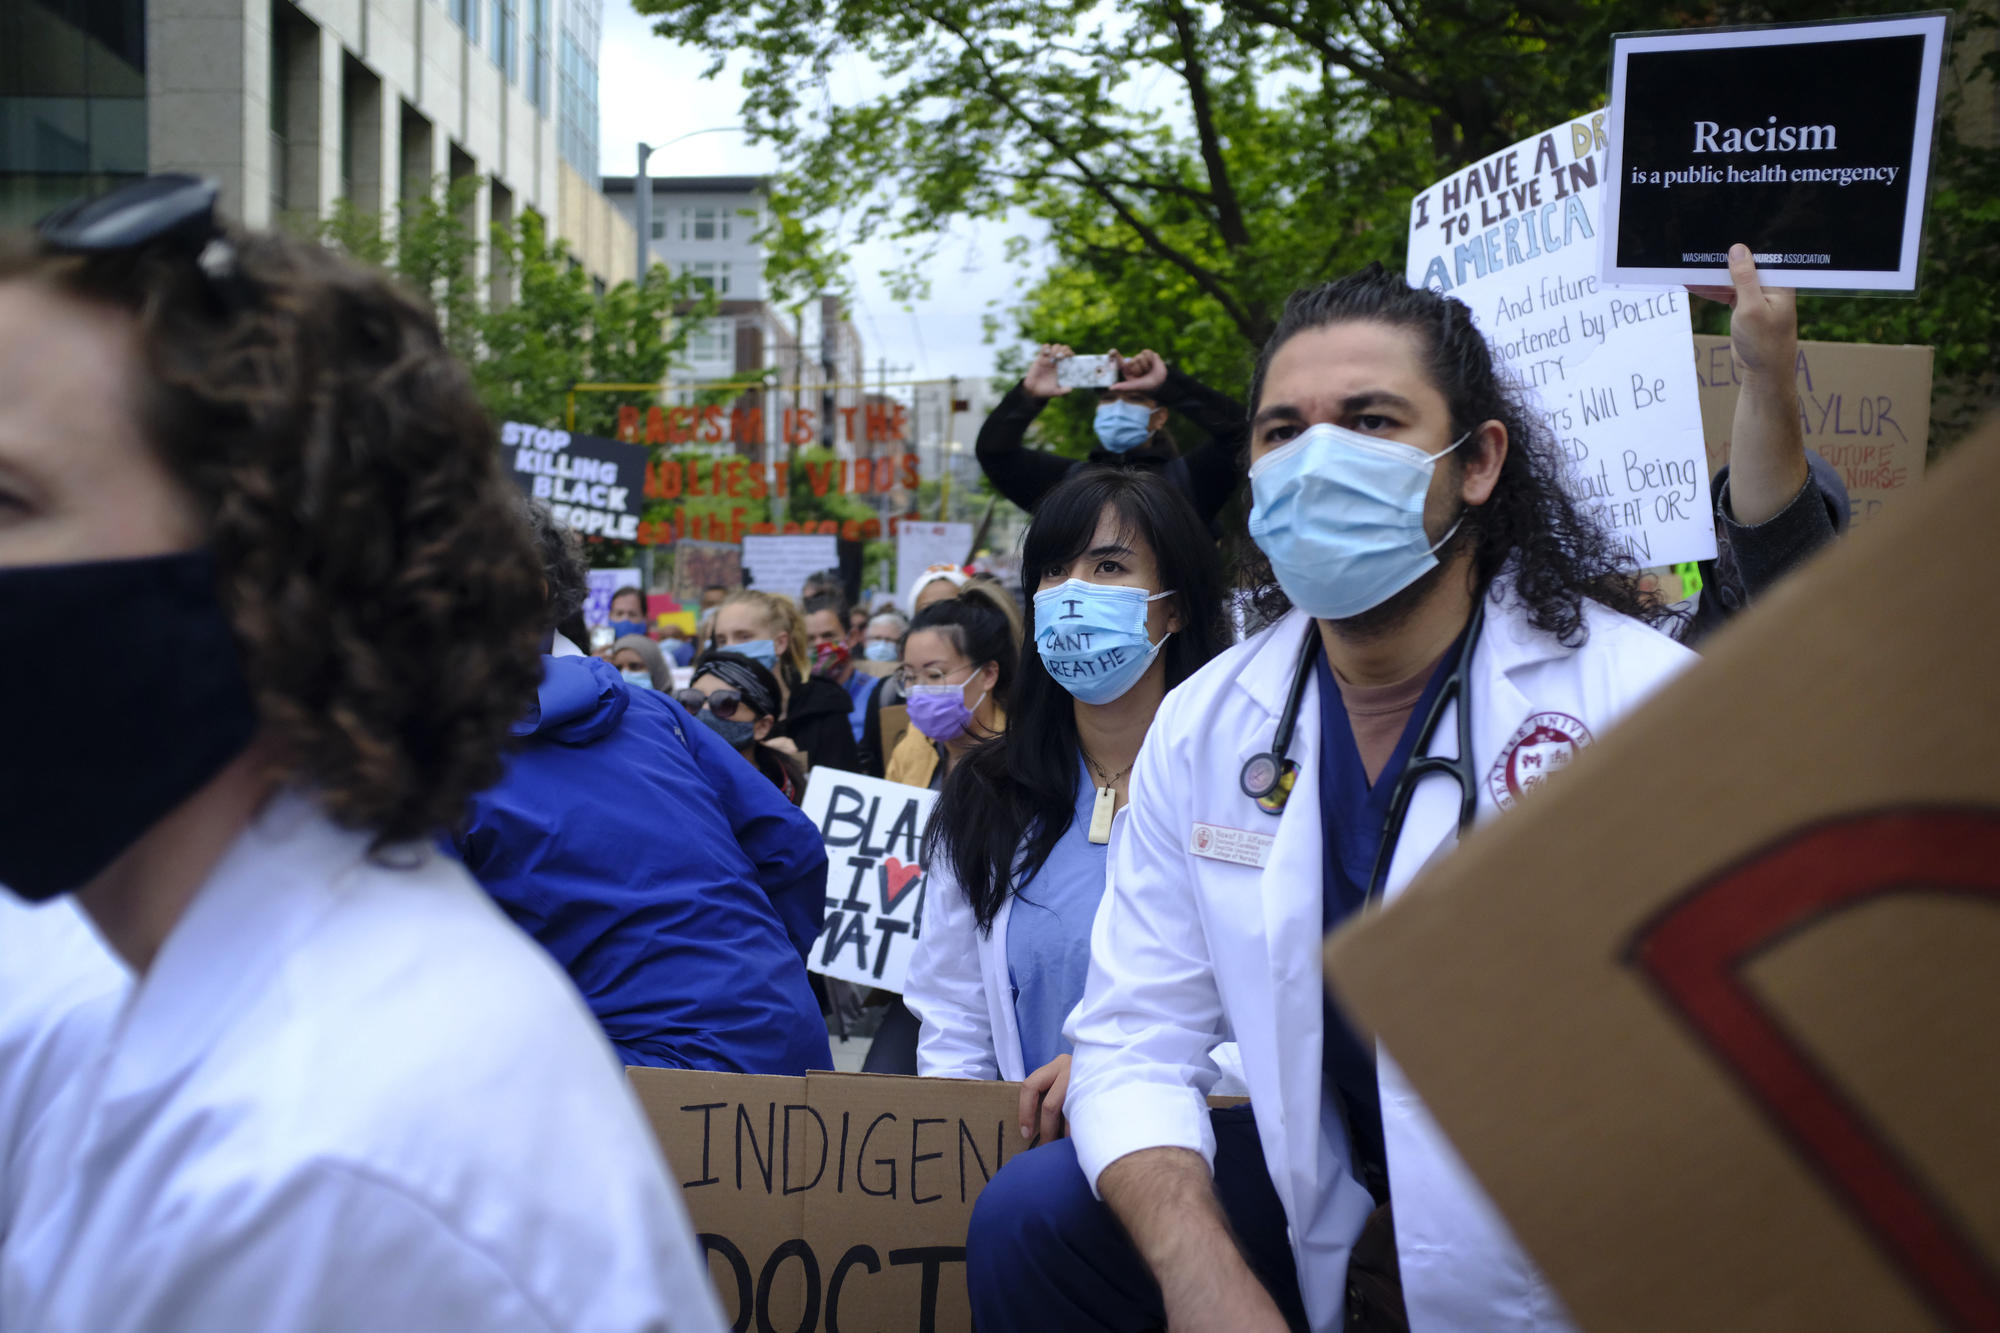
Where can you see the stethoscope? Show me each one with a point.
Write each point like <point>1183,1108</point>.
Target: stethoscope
<point>1268,778</point>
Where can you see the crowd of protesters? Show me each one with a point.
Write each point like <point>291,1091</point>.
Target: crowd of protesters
<point>372,810</point>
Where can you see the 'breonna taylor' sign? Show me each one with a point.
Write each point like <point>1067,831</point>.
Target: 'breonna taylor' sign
<point>874,832</point>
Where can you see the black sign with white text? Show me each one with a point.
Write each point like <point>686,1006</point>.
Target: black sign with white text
<point>591,484</point>
<point>1810,144</point>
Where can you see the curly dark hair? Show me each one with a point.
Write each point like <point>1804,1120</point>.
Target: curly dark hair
<point>386,596</point>
<point>564,569</point>
<point>1554,555</point>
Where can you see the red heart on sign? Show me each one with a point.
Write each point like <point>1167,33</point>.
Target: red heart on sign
<point>896,881</point>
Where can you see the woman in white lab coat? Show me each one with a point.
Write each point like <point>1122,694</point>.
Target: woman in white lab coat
<point>342,1091</point>
<point>1126,603</point>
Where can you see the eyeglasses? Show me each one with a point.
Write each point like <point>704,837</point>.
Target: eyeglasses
<point>931,676</point>
<point>172,209</point>
<point>723,703</point>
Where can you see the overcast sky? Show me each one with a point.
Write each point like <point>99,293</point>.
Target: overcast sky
<point>651,89</point>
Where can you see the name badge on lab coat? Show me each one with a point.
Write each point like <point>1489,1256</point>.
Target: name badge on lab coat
<point>1219,842</point>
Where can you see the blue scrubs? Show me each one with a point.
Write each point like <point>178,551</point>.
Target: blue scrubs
<point>1048,933</point>
<point>1352,815</point>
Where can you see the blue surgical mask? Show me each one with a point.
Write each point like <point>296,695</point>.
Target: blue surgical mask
<point>638,680</point>
<point>1340,515</point>
<point>761,651</point>
<point>1121,426</point>
<point>1092,637</point>
<point>879,650</point>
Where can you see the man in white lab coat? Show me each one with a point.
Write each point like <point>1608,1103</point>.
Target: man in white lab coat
<point>1442,588</point>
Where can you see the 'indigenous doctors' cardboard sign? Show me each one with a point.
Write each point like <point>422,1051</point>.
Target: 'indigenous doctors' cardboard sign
<point>594,485</point>
<point>874,832</point>
<point>1515,238</point>
<point>1811,144</point>
<point>1866,409</point>
<point>1745,1075</point>
<point>836,1201</point>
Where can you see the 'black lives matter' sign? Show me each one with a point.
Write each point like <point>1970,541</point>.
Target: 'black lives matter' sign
<point>1811,144</point>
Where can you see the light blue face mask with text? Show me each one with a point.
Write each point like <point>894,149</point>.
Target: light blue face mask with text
<point>1092,637</point>
<point>1340,516</point>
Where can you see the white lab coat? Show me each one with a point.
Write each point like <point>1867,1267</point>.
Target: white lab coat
<point>348,1095</point>
<point>962,993</point>
<point>60,989</point>
<point>958,988</point>
<point>1186,949</point>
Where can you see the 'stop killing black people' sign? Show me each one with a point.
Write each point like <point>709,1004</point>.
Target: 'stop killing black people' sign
<point>593,485</point>
<point>1811,144</point>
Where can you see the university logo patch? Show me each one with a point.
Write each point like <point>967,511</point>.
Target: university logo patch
<point>1543,745</point>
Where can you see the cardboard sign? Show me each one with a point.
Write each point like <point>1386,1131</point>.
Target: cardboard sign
<point>783,564</point>
<point>1515,238</point>
<point>593,485</point>
<point>874,832</point>
<point>603,585</point>
<point>921,545</point>
<point>834,1200</point>
<point>702,565</point>
<point>1866,409</point>
<point>1811,144</point>
<point>1745,1076</point>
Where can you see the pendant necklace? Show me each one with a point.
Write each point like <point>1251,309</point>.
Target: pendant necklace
<point>1106,804</point>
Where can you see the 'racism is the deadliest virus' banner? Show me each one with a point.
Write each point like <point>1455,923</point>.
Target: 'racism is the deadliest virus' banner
<point>874,832</point>
<point>593,485</point>
<point>1515,238</point>
<point>1810,143</point>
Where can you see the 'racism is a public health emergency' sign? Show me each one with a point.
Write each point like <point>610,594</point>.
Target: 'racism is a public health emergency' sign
<point>593,485</point>
<point>874,833</point>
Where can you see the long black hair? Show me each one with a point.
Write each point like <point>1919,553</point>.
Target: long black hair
<point>1555,555</point>
<point>1009,801</point>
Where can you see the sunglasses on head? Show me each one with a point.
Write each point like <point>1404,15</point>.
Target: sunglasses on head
<point>172,210</point>
<point>723,703</point>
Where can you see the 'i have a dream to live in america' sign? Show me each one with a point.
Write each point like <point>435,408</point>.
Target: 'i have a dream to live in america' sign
<point>1515,237</point>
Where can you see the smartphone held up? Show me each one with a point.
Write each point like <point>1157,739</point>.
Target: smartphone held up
<point>1087,372</point>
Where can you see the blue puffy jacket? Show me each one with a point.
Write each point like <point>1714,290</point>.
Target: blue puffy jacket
<point>670,879</point>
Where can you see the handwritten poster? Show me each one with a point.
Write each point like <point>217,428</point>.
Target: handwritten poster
<point>603,585</point>
<point>874,833</point>
<point>921,545</point>
<point>1864,408</point>
<point>783,564</point>
<point>1515,237</point>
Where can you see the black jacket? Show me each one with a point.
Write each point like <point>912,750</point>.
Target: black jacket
<point>1208,473</point>
<point>1750,559</point>
<point>816,720</point>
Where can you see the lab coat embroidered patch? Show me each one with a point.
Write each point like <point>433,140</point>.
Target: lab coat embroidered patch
<point>1219,842</point>
<point>1543,745</point>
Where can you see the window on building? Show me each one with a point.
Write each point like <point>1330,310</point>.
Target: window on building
<point>659,229</point>
<point>505,13</point>
<point>537,45</point>
<point>711,275</point>
<point>713,344</point>
<point>698,224</point>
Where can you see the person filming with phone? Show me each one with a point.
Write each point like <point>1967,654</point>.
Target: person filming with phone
<point>1135,395</point>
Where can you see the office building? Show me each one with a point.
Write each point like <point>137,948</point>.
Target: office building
<point>293,106</point>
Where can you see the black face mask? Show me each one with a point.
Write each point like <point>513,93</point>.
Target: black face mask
<point>88,763</point>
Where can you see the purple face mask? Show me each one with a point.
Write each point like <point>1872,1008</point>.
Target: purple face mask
<point>939,711</point>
